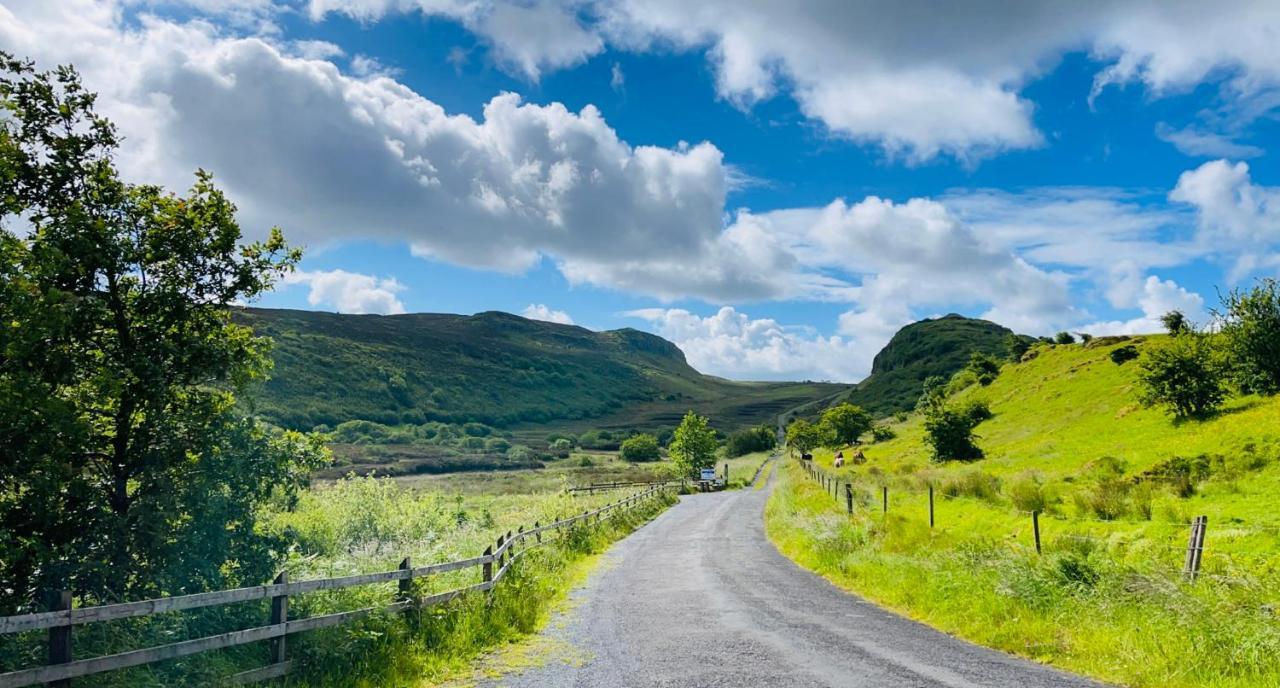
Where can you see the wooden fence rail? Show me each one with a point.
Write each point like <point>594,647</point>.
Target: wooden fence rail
<point>60,623</point>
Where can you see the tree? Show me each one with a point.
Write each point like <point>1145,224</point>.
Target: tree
<point>804,436</point>
<point>950,432</point>
<point>757,439</point>
<point>933,393</point>
<point>1015,345</point>
<point>1064,338</point>
<point>845,423</point>
<point>1175,322</point>
<point>127,465</point>
<point>693,446</point>
<point>985,368</point>
<point>1251,334</point>
<point>1122,354</point>
<point>1185,375</point>
<point>642,447</point>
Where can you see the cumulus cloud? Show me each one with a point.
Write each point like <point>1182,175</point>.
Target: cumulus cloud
<point>915,78</point>
<point>540,311</point>
<point>350,292</point>
<point>1154,298</point>
<point>731,343</point>
<point>1237,219</point>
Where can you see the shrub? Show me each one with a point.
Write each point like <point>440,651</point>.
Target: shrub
<point>1184,375</point>
<point>560,448</point>
<point>1251,330</point>
<point>757,439</point>
<point>597,439</point>
<point>985,368</point>
<point>882,433</point>
<point>1123,354</point>
<point>950,432</point>
<point>476,430</point>
<point>496,445</point>
<point>977,411</point>
<point>471,443</point>
<point>1108,495</point>
<point>1181,473</point>
<point>1064,338</point>
<point>1027,493</point>
<point>519,452</point>
<point>642,447</point>
<point>972,482</point>
<point>1015,346</point>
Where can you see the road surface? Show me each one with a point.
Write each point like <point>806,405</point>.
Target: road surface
<point>699,597</point>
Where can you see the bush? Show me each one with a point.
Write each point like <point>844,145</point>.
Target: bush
<point>950,432</point>
<point>560,448</point>
<point>1015,346</point>
<point>972,482</point>
<point>985,368</point>
<point>1251,331</point>
<point>640,447</point>
<point>882,433</point>
<point>496,445</point>
<point>1108,496</point>
<point>1123,354</point>
<point>1184,375</point>
<point>1175,322</point>
<point>1064,338</point>
<point>519,452</point>
<point>598,439</point>
<point>977,411</point>
<point>1027,493</point>
<point>757,439</point>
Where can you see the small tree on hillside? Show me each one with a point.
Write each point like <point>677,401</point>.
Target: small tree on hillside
<point>1175,322</point>
<point>642,447</point>
<point>1251,333</point>
<point>1015,346</point>
<point>804,436</point>
<point>950,432</point>
<point>845,423</point>
<point>933,393</point>
<point>1184,375</point>
<point>1064,338</point>
<point>693,447</point>
<point>985,368</point>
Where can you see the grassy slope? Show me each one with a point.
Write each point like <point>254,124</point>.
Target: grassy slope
<point>1106,598</point>
<point>939,346</point>
<point>494,368</point>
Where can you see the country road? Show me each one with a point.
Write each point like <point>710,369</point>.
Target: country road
<point>699,597</point>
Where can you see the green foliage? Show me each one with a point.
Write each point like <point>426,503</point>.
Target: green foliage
<point>935,347</point>
<point>971,482</point>
<point>1251,333</point>
<point>693,447</point>
<point>933,393</point>
<point>804,436</point>
<point>561,447</point>
<point>845,423</point>
<point>984,367</point>
<point>1184,375</point>
<point>598,439</point>
<point>126,466</point>
<point>642,447</point>
<point>882,433</point>
<point>1027,492</point>
<point>1064,338</point>
<point>1123,354</point>
<point>1175,322</point>
<point>1015,345</point>
<point>950,432</point>
<point>758,439</point>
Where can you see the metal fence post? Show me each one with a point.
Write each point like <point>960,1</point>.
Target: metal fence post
<point>1035,528</point>
<point>884,490</point>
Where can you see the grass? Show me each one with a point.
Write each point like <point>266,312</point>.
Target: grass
<point>743,468</point>
<point>579,470</point>
<point>1106,598</point>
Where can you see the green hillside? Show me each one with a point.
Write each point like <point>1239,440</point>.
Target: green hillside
<point>494,368</point>
<point>1117,485</point>
<point>930,347</point>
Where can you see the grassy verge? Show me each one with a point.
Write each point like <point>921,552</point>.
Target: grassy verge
<point>743,468</point>
<point>1104,600</point>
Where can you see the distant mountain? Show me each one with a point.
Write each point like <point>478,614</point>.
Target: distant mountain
<point>494,368</point>
<point>930,347</point>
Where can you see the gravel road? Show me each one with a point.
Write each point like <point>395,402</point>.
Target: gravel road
<point>699,597</point>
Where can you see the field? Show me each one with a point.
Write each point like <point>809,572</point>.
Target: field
<point>1117,484</point>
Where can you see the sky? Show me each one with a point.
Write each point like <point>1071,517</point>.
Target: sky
<point>775,185</point>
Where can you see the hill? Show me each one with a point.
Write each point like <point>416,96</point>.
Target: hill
<point>1117,485</point>
<point>493,368</point>
<point>920,350</point>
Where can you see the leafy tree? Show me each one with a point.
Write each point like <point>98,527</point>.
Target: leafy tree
<point>1184,375</point>
<point>950,432</point>
<point>1251,333</point>
<point>985,369</point>
<point>757,439</point>
<point>1175,322</point>
<point>693,447</point>
<point>561,447</point>
<point>1015,346</point>
<point>642,447</point>
<point>882,433</point>
<point>127,467</point>
<point>1121,355</point>
<point>933,394</point>
<point>845,423</point>
<point>1064,338</point>
<point>804,436</point>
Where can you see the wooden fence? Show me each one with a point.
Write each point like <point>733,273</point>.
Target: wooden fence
<point>59,623</point>
<point>842,492</point>
<point>622,485</point>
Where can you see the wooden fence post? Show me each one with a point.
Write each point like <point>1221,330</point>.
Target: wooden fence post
<point>60,636</point>
<point>279,615</point>
<point>486,571</point>
<point>848,497</point>
<point>931,506</point>
<point>1035,528</point>
<point>726,473</point>
<point>501,554</point>
<point>884,495</point>
<point>1195,548</point>
<point>537,527</point>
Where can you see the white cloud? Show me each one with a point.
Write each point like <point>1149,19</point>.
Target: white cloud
<point>350,292</point>
<point>1155,298</point>
<point>617,80</point>
<point>540,311</point>
<point>730,343</point>
<point>1237,219</point>
<point>1205,144</point>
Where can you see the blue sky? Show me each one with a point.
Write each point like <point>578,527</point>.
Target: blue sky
<point>777,188</point>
